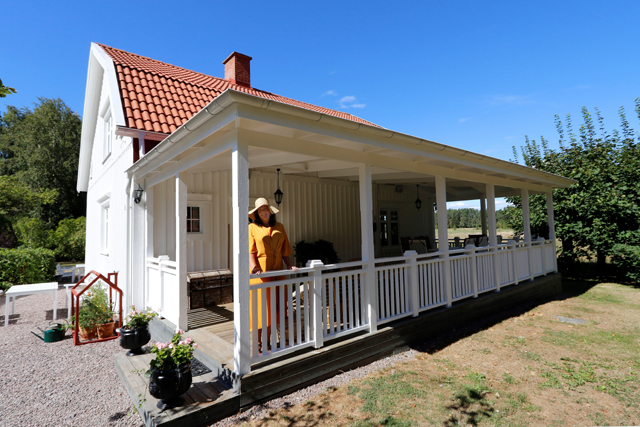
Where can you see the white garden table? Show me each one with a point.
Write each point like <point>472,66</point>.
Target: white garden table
<point>36,288</point>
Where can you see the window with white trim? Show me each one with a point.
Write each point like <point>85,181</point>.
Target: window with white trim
<point>107,135</point>
<point>104,227</point>
<point>194,224</point>
<point>389,228</point>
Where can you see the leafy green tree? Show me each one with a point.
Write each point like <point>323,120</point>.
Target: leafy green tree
<point>41,148</point>
<point>69,239</point>
<point>18,200</point>
<point>4,90</point>
<point>603,208</point>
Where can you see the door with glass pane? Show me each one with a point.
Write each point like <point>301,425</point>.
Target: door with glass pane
<point>389,232</point>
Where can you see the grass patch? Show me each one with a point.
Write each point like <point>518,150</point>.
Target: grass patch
<point>384,394</point>
<point>527,370</point>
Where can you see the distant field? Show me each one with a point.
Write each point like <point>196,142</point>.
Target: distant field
<point>464,232</point>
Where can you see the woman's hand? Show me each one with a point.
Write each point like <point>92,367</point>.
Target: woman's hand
<point>293,268</point>
<point>256,270</point>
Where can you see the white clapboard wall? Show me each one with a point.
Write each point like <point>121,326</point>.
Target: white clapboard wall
<point>312,209</point>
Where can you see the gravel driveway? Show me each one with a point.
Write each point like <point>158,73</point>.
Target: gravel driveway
<point>56,384</point>
<point>59,384</point>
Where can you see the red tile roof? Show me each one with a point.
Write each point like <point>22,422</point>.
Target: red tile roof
<point>159,97</point>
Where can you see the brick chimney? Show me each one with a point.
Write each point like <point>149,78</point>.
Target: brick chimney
<point>237,69</point>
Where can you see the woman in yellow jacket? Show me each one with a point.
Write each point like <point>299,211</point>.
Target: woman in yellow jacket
<point>268,248</point>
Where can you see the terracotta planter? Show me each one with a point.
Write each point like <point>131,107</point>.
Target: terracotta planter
<point>88,333</point>
<point>106,330</point>
<point>134,339</point>
<point>168,385</point>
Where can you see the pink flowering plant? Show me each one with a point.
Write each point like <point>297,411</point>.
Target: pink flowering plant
<point>173,353</point>
<point>139,318</point>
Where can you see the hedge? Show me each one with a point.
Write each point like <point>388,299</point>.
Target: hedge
<point>23,266</point>
<point>627,258</point>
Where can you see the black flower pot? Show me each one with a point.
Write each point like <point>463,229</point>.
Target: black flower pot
<point>134,339</point>
<point>168,385</point>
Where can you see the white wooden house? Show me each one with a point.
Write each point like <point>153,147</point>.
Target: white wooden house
<point>202,148</point>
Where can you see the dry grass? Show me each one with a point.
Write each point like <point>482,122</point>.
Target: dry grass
<point>462,233</point>
<point>529,369</point>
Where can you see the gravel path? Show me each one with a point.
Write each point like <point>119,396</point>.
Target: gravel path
<point>56,384</point>
<point>59,384</point>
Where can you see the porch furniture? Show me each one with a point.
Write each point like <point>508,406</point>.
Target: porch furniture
<point>210,287</point>
<point>35,288</point>
<point>78,270</point>
<point>66,271</point>
<point>420,244</point>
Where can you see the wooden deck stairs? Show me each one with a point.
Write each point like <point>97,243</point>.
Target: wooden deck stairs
<point>220,393</point>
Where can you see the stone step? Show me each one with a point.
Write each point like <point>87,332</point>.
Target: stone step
<point>207,401</point>
<point>213,352</point>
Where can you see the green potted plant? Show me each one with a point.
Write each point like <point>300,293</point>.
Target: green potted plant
<point>170,371</point>
<point>135,333</point>
<point>87,321</point>
<point>96,315</point>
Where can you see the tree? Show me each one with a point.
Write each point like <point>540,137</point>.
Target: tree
<point>603,208</point>
<point>17,201</point>
<point>4,90</point>
<point>41,149</point>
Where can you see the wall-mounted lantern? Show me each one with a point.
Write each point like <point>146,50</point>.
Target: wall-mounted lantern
<point>137,194</point>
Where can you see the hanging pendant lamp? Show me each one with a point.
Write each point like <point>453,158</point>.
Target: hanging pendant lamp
<point>418,201</point>
<point>278,194</point>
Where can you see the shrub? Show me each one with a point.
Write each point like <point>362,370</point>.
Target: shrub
<point>320,249</point>
<point>68,240</point>
<point>22,266</point>
<point>32,233</point>
<point>627,258</point>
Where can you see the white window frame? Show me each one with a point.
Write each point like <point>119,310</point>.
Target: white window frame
<point>202,201</point>
<point>105,220</point>
<point>107,130</point>
<point>389,221</point>
<point>200,222</point>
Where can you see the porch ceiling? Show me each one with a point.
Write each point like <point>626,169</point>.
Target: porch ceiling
<point>301,142</point>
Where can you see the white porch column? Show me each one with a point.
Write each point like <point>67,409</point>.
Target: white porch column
<point>443,236</point>
<point>552,226</point>
<point>368,250</point>
<point>148,237</point>
<point>181,251</point>
<point>493,232</point>
<point>526,225</point>
<point>138,252</point>
<point>483,213</point>
<point>241,289</point>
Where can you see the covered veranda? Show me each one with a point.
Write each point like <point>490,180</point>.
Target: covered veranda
<point>244,134</point>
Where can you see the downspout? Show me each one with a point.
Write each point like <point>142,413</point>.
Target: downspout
<point>127,264</point>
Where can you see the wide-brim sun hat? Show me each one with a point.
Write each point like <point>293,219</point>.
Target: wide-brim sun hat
<point>262,202</point>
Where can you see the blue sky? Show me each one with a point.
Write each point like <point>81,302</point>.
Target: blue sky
<point>479,75</point>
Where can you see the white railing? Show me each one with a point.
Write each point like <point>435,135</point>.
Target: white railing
<point>301,309</point>
<point>392,290</point>
<point>280,314</point>
<point>462,283</point>
<point>550,256</point>
<point>162,287</point>
<point>506,264</point>
<point>431,284</point>
<point>295,310</point>
<point>343,300</point>
<point>317,303</point>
